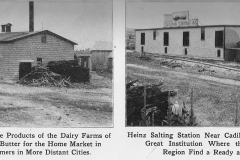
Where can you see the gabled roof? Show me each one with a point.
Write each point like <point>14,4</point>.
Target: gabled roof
<point>103,46</point>
<point>165,28</point>
<point>9,37</point>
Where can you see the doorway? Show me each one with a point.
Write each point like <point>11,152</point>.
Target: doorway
<point>24,68</point>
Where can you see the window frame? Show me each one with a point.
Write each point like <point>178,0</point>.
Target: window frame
<point>186,43</point>
<point>154,34</point>
<point>202,34</point>
<point>44,39</point>
<point>39,61</point>
<point>165,38</point>
<point>142,42</point>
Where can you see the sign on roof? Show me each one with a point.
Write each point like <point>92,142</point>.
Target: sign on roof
<point>191,22</point>
<point>179,19</point>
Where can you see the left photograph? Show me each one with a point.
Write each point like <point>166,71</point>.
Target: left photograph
<point>56,64</point>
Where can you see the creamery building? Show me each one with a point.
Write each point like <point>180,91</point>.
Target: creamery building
<point>184,37</point>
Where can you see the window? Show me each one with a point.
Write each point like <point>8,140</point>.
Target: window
<point>154,35</point>
<point>165,49</point>
<point>218,53</point>
<point>39,61</point>
<point>185,38</point>
<point>202,34</point>
<point>142,38</point>
<point>44,39</point>
<point>218,38</point>
<point>165,39</point>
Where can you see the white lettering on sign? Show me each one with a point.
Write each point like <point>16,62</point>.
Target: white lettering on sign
<point>192,22</point>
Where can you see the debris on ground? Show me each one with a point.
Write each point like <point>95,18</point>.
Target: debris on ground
<point>158,109</point>
<point>70,69</point>
<point>156,101</point>
<point>41,76</point>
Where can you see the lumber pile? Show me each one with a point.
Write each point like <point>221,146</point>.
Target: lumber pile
<point>70,69</point>
<point>156,100</point>
<point>41,76</point>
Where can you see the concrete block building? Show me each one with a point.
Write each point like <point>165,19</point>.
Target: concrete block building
<point>211,41</point>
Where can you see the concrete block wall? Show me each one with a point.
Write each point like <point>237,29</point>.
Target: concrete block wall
<point>32,48</point>
<point>197,47</point>
<point>151,46</point>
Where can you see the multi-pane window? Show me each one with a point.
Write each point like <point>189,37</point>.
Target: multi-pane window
<point>185,38</point>
<point>218,38</point>
<point>165,38</point>
<point>142,38</point>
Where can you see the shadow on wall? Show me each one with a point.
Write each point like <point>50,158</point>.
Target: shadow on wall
<point>231,41</point>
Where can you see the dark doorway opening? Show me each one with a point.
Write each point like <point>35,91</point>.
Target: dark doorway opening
<point>24,68</point>
<point>84,61</point>
<point>218,53</point>
<point>219,39</point>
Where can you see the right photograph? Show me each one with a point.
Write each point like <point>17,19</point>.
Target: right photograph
<point>182,64</point>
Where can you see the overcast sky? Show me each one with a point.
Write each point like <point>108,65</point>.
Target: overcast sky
<point>150,14</point>
<point>82,22</point>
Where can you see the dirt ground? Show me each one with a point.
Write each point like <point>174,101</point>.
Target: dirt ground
<point>86,105</point>
<point>214,97</point>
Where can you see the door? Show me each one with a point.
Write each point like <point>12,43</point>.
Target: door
<point>219,39</point>
<point>24,68</point>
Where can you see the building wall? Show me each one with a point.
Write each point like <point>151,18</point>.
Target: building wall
<point>197,47</point>
<point>32,48</point>
<point>99,59</point>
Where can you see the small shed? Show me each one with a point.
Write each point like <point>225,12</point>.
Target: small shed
<point>100,52</point>
<point>84,59</point>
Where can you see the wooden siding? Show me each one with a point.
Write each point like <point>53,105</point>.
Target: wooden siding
<point>32,48</point>
<point>99,59</point>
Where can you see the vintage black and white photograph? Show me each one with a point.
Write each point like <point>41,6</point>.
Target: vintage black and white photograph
<point>56,62</point>
<point>182,64</point>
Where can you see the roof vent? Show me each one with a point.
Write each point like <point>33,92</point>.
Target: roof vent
<point>6,27</point>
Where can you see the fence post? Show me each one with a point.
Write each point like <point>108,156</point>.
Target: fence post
<point>236,118</point>
<point>144,105</point>
<point>192,113</point>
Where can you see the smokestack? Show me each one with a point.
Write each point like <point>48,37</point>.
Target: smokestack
<point>31,16</point>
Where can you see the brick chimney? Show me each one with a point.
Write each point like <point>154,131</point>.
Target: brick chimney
<point>31,16</point>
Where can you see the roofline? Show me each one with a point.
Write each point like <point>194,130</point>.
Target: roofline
<point>103,50</point>
<point>40,32</point>
<point>164,28</point>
